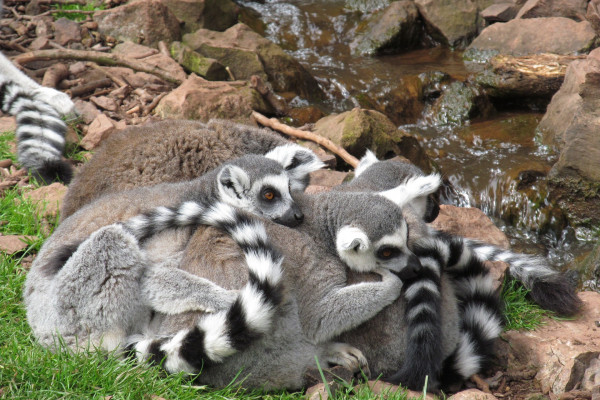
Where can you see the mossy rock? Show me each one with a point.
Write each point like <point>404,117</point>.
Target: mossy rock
<point>360,129</point>
<point>192,61</point>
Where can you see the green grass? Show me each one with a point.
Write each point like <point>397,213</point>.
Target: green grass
<point>76,16</point>
<point>6,138</point>
<point>521,313</point>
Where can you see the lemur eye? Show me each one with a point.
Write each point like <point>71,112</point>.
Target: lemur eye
<point>269,194</point>
<point>385,253</point>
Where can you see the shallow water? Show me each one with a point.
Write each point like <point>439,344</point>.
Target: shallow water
<point>484,159</point>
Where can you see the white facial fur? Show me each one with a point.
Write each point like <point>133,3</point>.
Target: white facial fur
<point>281,183</point>
<point>298,161</point>
<point>358,252</point>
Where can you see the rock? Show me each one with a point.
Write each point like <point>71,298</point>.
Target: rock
<point>86,110</point>
<point>452,22</point>
<point>589,268</point>
<point>362,129</point>
<point>459,102</point>
<point>366,6</point>
<point>152,57</point>
<point>521,37</point>
<point>216,15</point>
<point>533,78</point>
<point>130,49</point>
<point>247,53</point>
<point>136,79</point>
<point>574,9</point>
<point>469,222</point>
<point>571,124</point>
<point>593,14</point>
<point>144,22</point>
<point>394,29</point>
<point>385,390</point>
<point>66,31</point>
<point>11,244</point>
<point>104,102</point>
<point>565,353</point>
<point>208,68</point>
<point>327,178</point>
<point>48,199</point>
<point>403,102</point>
<point>472,394</point>
<point>305,115</point>
<point>499,12</point>
<point>100,128</point>
<point>198,98</point>
<point>40,43</point>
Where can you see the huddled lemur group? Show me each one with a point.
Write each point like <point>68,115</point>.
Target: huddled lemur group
<point>193,245</point>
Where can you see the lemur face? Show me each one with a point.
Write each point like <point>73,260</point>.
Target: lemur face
<point>378,239</point>
<point>262,185</point>
<point>270,197</point>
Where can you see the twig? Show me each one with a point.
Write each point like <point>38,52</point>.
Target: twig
<point>148,109</point>
<point>288,130</point>
<point>55,74</point>
<point>88,87</point>
<point>133,110</point>
<point>230,72</point>
<point>13,46</point>
<point>99,58</point>
<point>162,47</point>
<point>481,384</point>
<point>79,2</point>
<point>120,82</point>
<point>267,93</point>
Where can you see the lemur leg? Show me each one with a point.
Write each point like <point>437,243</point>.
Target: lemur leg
<point>98,290</point>
<point>344,355</point>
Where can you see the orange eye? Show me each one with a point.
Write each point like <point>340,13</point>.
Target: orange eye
<point>386,253</point>
<point>269,195</point>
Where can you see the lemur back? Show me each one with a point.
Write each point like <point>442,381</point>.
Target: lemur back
<point>166,151</point>
<point>40,130</point>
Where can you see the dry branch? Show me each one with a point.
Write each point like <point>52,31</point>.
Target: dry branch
<point>55,74</point>
<point>99,58</point>
<point>88,87</point>
<point>297,133</point>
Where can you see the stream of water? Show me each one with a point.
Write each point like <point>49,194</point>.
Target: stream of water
<point>483,159</point>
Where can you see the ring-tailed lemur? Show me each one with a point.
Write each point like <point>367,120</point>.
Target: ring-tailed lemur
<point>166,151</point>
<point>256,184</point>
<point>549,288</point>
<point>327,306</point>
<point>40,130</point>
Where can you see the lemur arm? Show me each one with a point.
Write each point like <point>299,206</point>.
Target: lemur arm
<point>170,290</point>
<point>332,306</point>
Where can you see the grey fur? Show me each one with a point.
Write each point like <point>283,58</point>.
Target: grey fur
<point>46,315</point>
<point>166,151</point>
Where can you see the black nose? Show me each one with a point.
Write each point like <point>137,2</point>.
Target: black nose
<point>298,216</point>
<point>412,270</point>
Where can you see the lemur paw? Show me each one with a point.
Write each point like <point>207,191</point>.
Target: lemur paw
<point>60,101</point>
<point>348,357</point>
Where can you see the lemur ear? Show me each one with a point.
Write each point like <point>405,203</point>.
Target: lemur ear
<point>350,238</point>
<point>414,192</point>
<point>233,182</point>
<point>365,162</point>
<point>297,161</point>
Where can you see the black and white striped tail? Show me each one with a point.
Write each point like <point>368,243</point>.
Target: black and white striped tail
<point>216,336</point>
<point>40,133</point>
<point>553,290</point>
<point>423,353</point>
<point>481,317</point>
